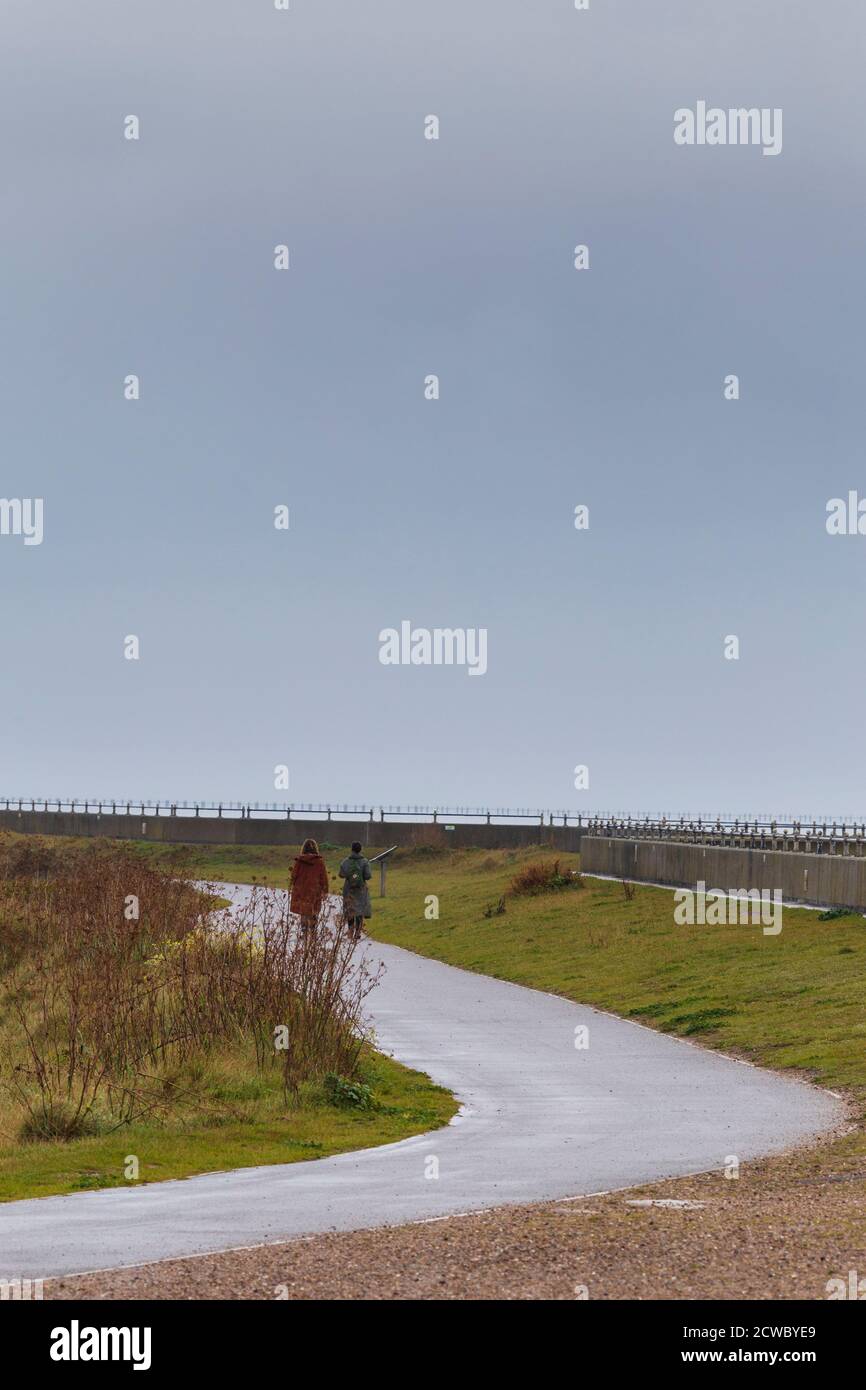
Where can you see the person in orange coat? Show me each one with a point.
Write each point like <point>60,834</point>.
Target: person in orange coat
<point>309,884</point>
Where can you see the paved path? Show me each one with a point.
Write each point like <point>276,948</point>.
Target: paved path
<point>542,1120</point>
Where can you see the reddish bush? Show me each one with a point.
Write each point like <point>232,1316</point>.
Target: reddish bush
<point>545,876</point>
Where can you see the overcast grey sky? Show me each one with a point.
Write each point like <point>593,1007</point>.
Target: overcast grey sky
<point>410,257</point>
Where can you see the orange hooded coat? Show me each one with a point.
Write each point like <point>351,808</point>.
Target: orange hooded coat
<point>309,884</point>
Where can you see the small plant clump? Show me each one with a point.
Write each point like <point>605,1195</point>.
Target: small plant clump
<point>494,909</point>
<point>347,1094</point>
<point>545,876</point>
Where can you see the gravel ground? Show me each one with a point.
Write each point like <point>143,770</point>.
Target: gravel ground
<point>781,1230</point>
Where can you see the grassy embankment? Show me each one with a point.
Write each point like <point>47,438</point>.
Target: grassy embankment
<point>213,1109</point>
<point>240,1121</point>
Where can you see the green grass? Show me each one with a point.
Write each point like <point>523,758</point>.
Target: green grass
<point>241,1122</point>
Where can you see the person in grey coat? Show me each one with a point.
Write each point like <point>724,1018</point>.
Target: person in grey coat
<point>356,872</point>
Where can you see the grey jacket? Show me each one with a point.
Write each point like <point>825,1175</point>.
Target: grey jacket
<point>356,901</point>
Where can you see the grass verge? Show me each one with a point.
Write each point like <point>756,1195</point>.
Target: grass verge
<point>241,1122</point>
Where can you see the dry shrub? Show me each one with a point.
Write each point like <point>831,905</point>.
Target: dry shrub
<point>32,856</point>
<point>27,857</point>
<point>486,865</point>
<point>309,984</point>
<point>544,876</point>
<point>118,976</point>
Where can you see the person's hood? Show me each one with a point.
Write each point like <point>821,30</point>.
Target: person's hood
<point>308,858</point>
